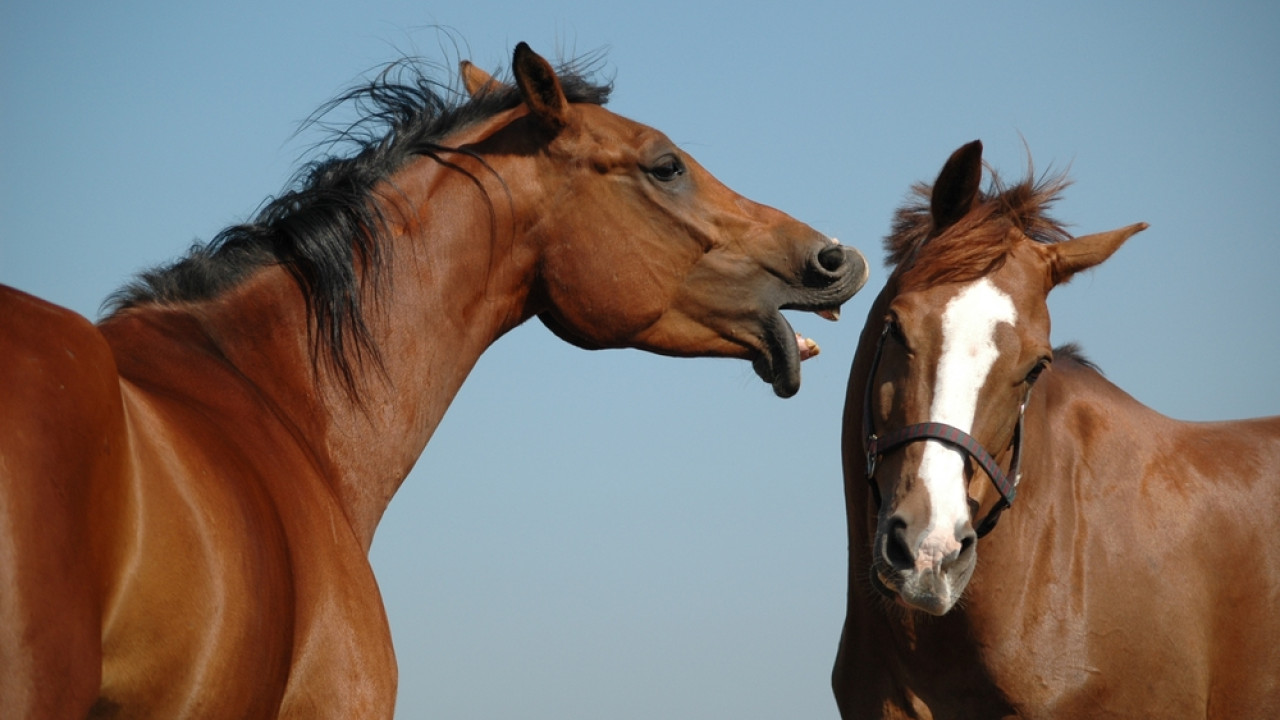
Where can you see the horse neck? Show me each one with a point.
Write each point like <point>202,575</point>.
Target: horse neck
<point>454,280</point>
<point>457,287</point>
<point>1071,414</point>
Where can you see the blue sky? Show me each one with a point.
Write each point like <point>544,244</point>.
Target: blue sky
<point>620,535</point>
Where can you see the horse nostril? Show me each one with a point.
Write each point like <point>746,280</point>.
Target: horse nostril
<point>968,541</point>
<point>831,258</point>
<point>896,549</point>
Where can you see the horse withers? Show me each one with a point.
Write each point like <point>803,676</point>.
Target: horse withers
<point>189,489</point>
<point>1025,539</point>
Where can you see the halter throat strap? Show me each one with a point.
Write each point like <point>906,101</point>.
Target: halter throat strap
<point>877,446</point>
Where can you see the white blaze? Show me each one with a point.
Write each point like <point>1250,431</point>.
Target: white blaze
<point>968,351</point>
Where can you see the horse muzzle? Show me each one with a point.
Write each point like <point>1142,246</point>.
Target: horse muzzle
<point>832,274</point>
<point>919,572</point>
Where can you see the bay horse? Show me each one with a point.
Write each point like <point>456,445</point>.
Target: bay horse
<point>1137,574</point>
<point>189,489</point>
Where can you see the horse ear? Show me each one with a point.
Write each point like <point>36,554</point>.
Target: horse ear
<point>540,88</point>
<point>1070,257</point>
<point>957,186</point>
<point>476,80</point>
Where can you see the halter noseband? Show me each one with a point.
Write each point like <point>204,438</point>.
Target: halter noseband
<point>877,446</point>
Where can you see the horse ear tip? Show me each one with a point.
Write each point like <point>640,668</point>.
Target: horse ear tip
<point>967,156</point>
<point>1134,229</point>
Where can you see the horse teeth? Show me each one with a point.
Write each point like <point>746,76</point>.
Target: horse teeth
<point>833,314</point>
<point>808,348</point>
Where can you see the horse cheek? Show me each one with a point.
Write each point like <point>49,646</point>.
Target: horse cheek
<point>603,298</point>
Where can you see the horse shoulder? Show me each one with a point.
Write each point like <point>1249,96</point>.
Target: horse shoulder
<point>1164,540</point>
<point>277,594</point>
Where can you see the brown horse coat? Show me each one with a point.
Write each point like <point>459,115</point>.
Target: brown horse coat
<point>1136,573</point>
<point>188,490</point>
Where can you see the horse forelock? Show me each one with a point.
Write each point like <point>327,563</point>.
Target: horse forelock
<point>324,228</point>
<point>979,242</point>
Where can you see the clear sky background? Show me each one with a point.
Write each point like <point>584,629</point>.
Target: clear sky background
<point>619,535</point>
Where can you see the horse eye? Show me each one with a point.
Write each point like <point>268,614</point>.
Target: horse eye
<point>894,329</point>
<point>667,169</point>
<point>1035,371</point>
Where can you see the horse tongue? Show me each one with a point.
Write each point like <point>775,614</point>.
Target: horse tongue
<point>807,347</point>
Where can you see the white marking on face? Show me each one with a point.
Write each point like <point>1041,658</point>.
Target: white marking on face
<point>969,351</point>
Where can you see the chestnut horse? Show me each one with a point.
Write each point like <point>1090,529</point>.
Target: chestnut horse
<point>1136,575</point>
<point>189,489</point>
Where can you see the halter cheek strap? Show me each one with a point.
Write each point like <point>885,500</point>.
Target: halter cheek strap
<point>876,446</point>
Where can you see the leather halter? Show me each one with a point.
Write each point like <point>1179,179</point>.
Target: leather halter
<point>876,446</point>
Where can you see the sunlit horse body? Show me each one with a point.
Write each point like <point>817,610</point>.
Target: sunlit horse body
<point>1137,574</point>
<point>189,489</point>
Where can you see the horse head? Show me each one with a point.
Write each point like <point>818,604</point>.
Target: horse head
<point>960,333</point>
<point>639,246</point>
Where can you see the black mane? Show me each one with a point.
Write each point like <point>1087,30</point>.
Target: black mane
<point>324,227</point>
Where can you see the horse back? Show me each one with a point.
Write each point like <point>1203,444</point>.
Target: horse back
<point>61,440</point>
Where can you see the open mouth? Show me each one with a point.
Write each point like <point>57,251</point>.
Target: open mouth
<point>785,349</point>
<point>837,273</point>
